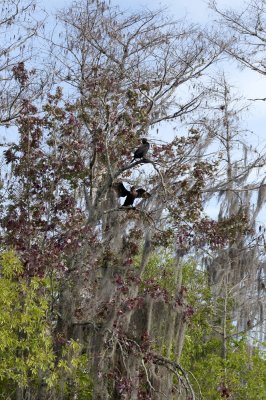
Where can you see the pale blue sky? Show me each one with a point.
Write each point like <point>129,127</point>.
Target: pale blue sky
<point>197,10</point>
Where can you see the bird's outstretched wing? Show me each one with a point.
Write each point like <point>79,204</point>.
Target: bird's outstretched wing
<point>120,189</point>
<point>143,194</point>
<point>129,200</point>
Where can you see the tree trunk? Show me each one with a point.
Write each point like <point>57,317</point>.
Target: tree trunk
<point>123,331</point>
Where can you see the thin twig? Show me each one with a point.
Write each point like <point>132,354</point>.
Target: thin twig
<point>164,361</point>
<point>147,375</point>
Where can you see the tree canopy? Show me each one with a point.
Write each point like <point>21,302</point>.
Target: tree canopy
<point>117,281</point>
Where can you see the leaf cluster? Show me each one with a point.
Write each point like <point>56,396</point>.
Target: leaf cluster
<point>28,359</point>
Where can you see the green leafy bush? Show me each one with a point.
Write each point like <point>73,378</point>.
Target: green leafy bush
<point>28,360</point>
<point>240,374</point>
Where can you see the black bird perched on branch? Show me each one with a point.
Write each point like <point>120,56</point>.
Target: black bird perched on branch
<point>142,150</point>
<point>130,195</point>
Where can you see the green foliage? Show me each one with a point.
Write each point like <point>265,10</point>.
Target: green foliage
<point>28,360</point>
<point>161,269</point>
<point>241,373</point>
<point>71,378</point>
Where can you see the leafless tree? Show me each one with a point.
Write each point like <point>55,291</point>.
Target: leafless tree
<point>21,76</point>
<point>237,271</point>
<point>246,31</point>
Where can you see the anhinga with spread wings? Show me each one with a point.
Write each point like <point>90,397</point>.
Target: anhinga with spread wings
<point>131,194</point>
<point>142,150</point>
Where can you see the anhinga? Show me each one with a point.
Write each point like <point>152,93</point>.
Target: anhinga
<point>142,150</point>
<point>131,194</point>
